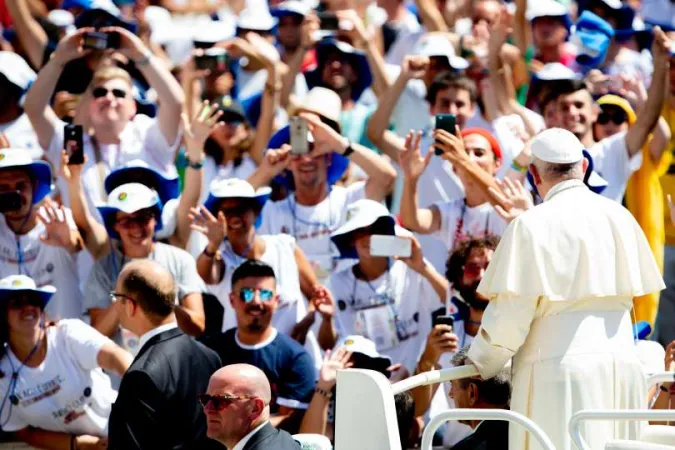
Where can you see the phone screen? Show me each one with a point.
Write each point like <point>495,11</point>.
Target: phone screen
<point>445,122</point>
<point>95,41</point>
<point>72,143</point>
<point>329,21</point>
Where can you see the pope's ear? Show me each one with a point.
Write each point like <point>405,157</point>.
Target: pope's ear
<point>585,165</point>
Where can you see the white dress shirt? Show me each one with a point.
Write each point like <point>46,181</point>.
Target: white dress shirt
<point>154,332</point>
<point>241,444</point>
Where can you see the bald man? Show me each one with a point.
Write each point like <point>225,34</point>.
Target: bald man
<point>237,408</point>
<point>156,406</point>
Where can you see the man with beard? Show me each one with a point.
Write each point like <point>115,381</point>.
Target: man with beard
<point>465,269</point>
<point>255,341</point>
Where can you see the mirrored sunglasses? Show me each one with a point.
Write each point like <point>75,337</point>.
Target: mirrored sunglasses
<point>247,295</point>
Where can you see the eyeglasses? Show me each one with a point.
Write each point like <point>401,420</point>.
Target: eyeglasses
<point>100,92</point>
<point>113,297</point>
<point>247,295</point>
<point>617,117</point>
<point>220,402</point>
<point>25,300</point>
<point>140,219</point>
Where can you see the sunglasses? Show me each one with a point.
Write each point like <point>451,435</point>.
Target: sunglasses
<point>219,402</point>
<point>236,211</point>
<point>21,302</point>
<point>101,92</point>
<point>140,220</point>
<point>617,117</point>
<point>247,295</point>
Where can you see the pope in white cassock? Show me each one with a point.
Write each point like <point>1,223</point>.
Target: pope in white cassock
<point>561,287</point>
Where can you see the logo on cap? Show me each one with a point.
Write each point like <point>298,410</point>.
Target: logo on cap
<point>122,196</point>
<point>2,156</point>
<point>16,283</point>
<point>349,342</point>
<point>227,101</point>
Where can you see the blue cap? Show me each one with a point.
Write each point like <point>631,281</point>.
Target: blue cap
<point>364,77</point>
<point>592,37</point>
<point>336,169</point>
<point>39,171</point>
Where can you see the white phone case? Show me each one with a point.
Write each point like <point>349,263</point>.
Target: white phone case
<point>384,245</point>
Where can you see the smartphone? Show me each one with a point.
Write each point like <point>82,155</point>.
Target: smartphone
<point>213,59</point>
<point>446,122</point>
<point>444,320</point>
<point>10,201</point>
<point>98,40</point>
<point>299,130</point>
<point>384,245</point>
<point>72,143</point>
<point>328,21</point>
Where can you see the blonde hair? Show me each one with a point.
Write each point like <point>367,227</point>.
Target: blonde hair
<point>108,73</point>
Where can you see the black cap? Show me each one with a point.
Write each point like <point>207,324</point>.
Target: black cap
<point>231,109</point>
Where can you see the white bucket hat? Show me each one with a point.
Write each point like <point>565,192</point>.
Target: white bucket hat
<point>235,188</point>
<point>323,102</point>
<point>39,171</point>
<point>129,198</point>
<point>12,284</point>
<point>361,214</point>
<point>438,45</point>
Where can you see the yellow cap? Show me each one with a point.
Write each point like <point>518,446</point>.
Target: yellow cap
<point>619,102</point>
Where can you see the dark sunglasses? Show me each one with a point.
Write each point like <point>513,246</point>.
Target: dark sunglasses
<point>617,117</point>
<point>247,295</point>
<point>236,211</point>
<point>100,92</point>
<point>141,219</point>
<point>219,402</point>
<point>26,300</point>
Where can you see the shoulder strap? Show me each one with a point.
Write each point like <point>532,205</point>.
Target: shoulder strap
<point>99,166</point>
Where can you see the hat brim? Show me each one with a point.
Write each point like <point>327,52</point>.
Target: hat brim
<point>598,44</point>
<point>342,237</point>
<point>41,173</point>
<point>44,293</point>
<point>336,169</point>
<point>285,12</point>
<point>364,77</point>
<point>108,214</point>
<point>262,195</point>
<point>167,188</point>
<point>100,18</point>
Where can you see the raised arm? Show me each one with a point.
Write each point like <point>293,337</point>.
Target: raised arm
<point>274,162</point>
<point>210,266</point>
<point>389,143</point>
<point>270,96</point>
<point>114,358</point>
<point>420,220</point>
<point>169,93</point>
<point>31,35</point>
<point>309,26</point>
<point>381,175</point>
<point>95,236</point>
<point>36,106</point>
<point>649,115</point>
<point>432,18</point>
<point>522,29</point>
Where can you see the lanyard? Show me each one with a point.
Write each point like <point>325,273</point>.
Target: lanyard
<point>292,203</point>
<point>460,225</point>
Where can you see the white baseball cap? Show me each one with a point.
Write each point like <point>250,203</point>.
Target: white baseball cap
<point>438,45</point>
<point>556,71</point>
<point>16,70</point>
<point>557,146</point>
<point>359,344</point>
<point>545,8</point>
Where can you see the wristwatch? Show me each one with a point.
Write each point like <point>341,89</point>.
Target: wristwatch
<point>349,150</point>
<point>196,165</point>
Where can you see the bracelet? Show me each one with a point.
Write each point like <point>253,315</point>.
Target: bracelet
<point>209,254</point>
<point>517,167</point>
<point>349,150</point>
<point>145,59</point>
<point>195,165</point>
<point>324,393</point>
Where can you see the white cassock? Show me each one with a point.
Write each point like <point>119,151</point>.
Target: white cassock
<point>561,285</point>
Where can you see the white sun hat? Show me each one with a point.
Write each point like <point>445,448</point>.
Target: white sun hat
<point>11,285</point>
<point>129,198</point>
<point>439,45</point>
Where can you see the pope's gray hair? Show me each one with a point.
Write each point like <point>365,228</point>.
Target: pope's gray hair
<point>559,172</point>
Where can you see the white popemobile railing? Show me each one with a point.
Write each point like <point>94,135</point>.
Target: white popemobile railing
<point>365,414</point>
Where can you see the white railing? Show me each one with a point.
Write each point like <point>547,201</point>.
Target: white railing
<point>660,377</point>
<point>613,414</point>
<point>485,414</point>
<point>433,377</point>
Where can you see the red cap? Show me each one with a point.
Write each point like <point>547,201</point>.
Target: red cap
<point>494,143</point>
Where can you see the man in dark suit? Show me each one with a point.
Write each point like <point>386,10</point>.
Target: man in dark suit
<point>237,408</point>
<point>494,393</point>
<point>157,406</point>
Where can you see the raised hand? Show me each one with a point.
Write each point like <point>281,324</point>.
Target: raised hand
<point>452,146</point>
<point>411,160</point>
<point>357,31</point>
<point>660,45</point>
<point>332,362</point>
<point>70,47</point>
<point>190,71</point>
<point>214,228</point>
<point>414,66</point>
<point>416,259</point>
<point>266,51</point>
<point>198,130</point>
<point>326,139</point>
<point>323,302</point>
<point>310,26</point>
<point>131,45</point>
<point>276,161</point>
<point>72,173</point>
<point>513,194</point>
<point>57,230</point>
<point>440,340</point>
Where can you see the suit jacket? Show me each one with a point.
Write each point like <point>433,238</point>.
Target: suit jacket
<point>269,438</point>
<point>157,405</point>
<point>490,435</point>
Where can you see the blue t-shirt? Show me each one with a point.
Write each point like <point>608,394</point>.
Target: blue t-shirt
<point>288,367</point>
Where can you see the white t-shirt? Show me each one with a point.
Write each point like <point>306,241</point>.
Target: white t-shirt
<point>611,161</point>
<point>141,139</point>
<point>412,110</point>
<point>21,134</point>
<point>370,309</point>
<point>45,264</point>
<point>460,222</point>
<point>68,392</point>
<point>216,172</point>
<point>279,254</point>
<point>312,225</point>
